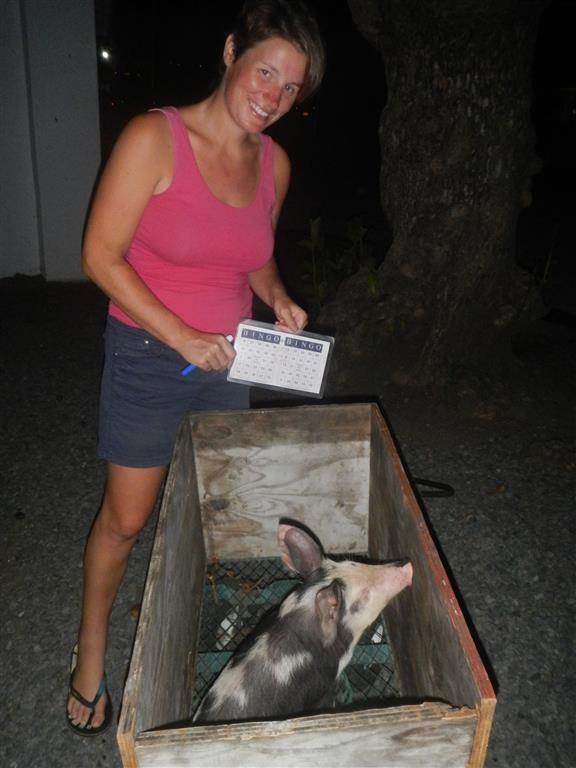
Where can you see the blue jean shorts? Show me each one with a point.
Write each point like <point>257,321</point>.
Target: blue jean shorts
<point>144,397</point>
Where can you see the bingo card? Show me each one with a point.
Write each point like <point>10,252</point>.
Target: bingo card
<point>278,359</point>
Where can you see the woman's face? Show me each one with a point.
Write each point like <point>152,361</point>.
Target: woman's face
<point>262,84</point>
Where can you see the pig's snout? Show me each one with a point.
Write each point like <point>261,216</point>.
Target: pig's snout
<point>409,573</point>
<point>405,565</point>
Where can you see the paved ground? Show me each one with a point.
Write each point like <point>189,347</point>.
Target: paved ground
<point>508,533</point>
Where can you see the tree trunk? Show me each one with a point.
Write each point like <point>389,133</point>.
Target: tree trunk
<point>457,159</point>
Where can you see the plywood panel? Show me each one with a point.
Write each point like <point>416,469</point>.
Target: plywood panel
<point>435,656</point>
<point>157,689</point>
<point>310,464</point>
<point>407,737</point>
<point>433,649</point>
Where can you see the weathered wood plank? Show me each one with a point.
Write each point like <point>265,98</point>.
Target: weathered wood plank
<point>158,686</point>
<point>434,653</point>
<point>482,735</point>
<point>402,737</point>
<point>282,426</point>
<point>310,464</point>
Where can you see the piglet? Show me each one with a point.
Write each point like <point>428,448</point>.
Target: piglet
<point>292,665</point>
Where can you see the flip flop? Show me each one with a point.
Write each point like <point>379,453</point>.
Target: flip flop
<point>87,730</point>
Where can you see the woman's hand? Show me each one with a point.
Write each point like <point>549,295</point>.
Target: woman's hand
<point>289,314</point>
<point>208,351</point>
<point>267,285</point>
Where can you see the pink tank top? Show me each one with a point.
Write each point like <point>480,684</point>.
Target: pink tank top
<point>193,251</point>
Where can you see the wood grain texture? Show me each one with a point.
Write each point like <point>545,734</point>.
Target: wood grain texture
<point>310,464</point>
<point>482,735</point>
<point>402,737</point>
<point>435,656</point>
<point>157,689</point>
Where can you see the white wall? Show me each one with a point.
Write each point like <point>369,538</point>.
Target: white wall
<point>49,134</point>
<point>19,237</point>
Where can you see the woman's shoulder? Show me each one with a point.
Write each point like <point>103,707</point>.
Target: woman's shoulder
<point>280,163</point>
<point>147,127</point>
<point>144,145</point>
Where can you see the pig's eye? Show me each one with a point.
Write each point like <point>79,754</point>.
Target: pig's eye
<point>355,607</point>
<point>358,604</point>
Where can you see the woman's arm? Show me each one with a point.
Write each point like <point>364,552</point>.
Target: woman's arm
<point>266,282</point>
<point>267,285</point>
<point>140,166</point>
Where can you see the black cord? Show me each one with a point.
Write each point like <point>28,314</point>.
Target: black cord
<point>441,490</point>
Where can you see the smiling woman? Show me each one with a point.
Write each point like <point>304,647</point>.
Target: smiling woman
<point>262,84</point>
<point>180,236</point>
<point>290,21</point>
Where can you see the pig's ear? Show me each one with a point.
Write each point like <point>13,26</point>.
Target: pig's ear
<point>299,551</point>
<point>328,601</point>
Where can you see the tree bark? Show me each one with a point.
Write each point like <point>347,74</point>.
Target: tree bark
<point>457,159</point>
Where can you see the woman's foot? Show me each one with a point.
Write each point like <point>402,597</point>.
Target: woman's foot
<point>88,708</point>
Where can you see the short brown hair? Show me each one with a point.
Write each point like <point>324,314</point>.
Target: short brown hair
<point>290,20</point>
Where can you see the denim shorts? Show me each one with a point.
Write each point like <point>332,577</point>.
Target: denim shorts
<point>144,397</point>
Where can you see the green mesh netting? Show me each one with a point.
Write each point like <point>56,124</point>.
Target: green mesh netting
<point>238,593</point>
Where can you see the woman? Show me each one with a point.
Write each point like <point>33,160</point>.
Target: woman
<point>179,235</point>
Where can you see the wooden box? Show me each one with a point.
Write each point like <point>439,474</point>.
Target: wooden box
<point>336,469</point>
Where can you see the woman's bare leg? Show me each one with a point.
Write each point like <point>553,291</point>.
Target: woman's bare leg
<point>129,498</point>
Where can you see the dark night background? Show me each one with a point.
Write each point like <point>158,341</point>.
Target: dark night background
<point>167,52</point>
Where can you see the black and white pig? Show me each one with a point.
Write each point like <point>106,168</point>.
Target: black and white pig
<point>292,665</point>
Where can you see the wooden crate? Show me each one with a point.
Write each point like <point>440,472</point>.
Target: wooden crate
<point>336,469</point>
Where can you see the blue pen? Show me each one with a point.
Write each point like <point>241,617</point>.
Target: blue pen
<point>190,367</point>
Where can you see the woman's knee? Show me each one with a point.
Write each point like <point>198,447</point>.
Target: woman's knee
<point>129,500</point>
<point>121,524</point>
